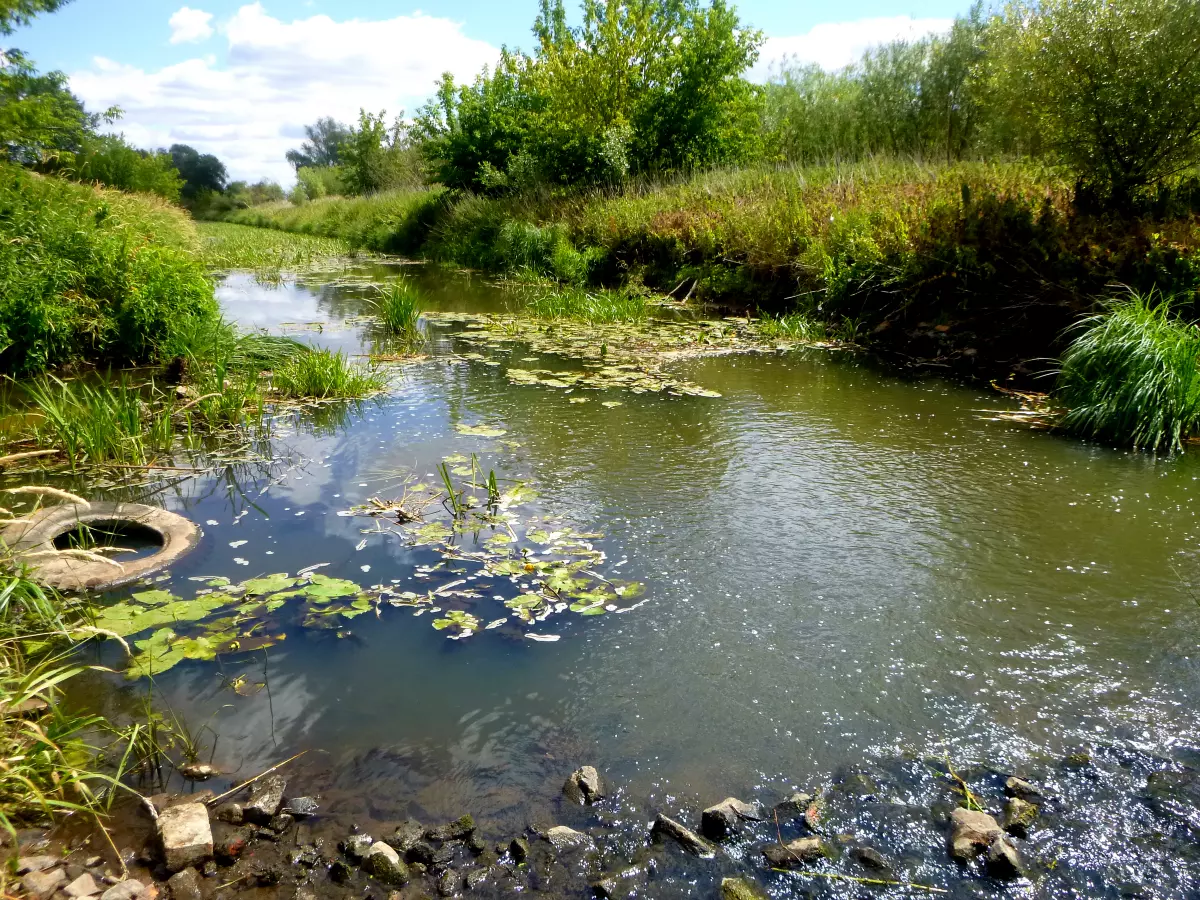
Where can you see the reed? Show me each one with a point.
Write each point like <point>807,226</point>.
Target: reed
<point>397,309</point>
<point>325,375</point>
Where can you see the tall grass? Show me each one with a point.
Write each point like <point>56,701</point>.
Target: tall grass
<point>1131,375</point>
<point>229,246</point>
<point>397,309</point>
<point>626,304</point>
<point>325,374</point>
<point>90,275</point>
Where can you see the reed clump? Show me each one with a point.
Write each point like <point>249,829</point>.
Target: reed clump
<point>1131,375</point>
<point>397,310</point>
<point>324,375</point>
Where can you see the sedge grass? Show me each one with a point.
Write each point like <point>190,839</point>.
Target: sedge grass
<point>1131,376</point>
<point>325,375</point>
<point>397,309</point>
<point>547,301</point>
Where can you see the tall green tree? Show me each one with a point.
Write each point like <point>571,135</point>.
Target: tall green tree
<point>325,139</point>
<point>202,173</point>
<point>14,13</point>
<point>1111,86</point>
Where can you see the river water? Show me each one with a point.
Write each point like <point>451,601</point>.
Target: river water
<point>850,577</point>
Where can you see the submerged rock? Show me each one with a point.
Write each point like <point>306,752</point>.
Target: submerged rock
<point>518,849</point>
<point>457,830</point>
<point>741,889</point>
<point>1019,815</point>
<point>301,807</point>
<point>563,838</point>
<point>406,835</point>
<point>685,837</point>
<point>1023,790</point>
<point>971,833</point>
<point>793,806</point>
<point>722,819</point>
<point>129,889</point>
<point>185,885</point>
<point>584,786</point>
<point>185,835</point>
<point>796,854</point>
<point>872,859</point>
<point>41,885</point>
<point>1003,860</point>
<point>231,813</point>
<point>384,863</point>
<point>266,796</point>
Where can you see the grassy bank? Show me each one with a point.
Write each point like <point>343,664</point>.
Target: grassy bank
<point>225,246</point>
<point>94,276</point>
<point>968,264</point>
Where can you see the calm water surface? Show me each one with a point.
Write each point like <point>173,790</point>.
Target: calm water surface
<point>845,572</point>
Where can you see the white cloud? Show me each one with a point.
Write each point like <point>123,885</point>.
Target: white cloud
<point>277,77</point>
<point>190,25</point>
<point>833,45</point>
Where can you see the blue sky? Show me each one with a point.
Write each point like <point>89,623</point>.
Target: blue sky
<point>240,78</point>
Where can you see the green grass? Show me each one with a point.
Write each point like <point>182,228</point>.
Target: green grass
<point>324,374</point>
<point>806,328</point>
<point>92,276</point>
<point>227,246</point>
<point>549,301</point>
<point>1131,375</point>
<point>397,309</point>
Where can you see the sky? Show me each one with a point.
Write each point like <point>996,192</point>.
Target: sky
<point>241,79</point>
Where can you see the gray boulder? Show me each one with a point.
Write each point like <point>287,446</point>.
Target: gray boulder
<point>1019,816</point>
<point>186,836</point>
<point>741,889</point>
<point>584,786</point>
<point>563,838</point>
<point>685,837</point>
<point>185,885</point>
<point>1023,790</point>
<point>971,833</point>
<point>385,864</point>
<point>723,819</point>
<point>797,854</point>
<point>41,885</point>
<point>1003,860</point>
<point>266,796</point>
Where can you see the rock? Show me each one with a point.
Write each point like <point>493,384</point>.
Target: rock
<point>449,883</point>
<point>357,846</point>
<point>282,822</point>
<point>1023,790</point>
<point>563,838</point>
<point>41,885</point>
<point>455,831</point>
<point>83,886</point>
<point>129,889</point>
<point>518,849</point>
<point>266,874</point>
<point>475,878</point>
<point>36,863</point>
<point>266,796</point>
<point>209,869</point>
<point>476,844</point>
<point>301,807</point>
<point>198,771</point>
<point>93,861</point>
<point>384,863</point>
<point>185,885</point>
<point>584,786</point>
<point>606,889</point>
<point>794,805</point>
<point>971,833</point>
<point>421,852</point>
<point>230,812</point>
<point>720,821</point>
<point>309,856</point>
<point>741,889</point>
<point>1003,860</point>
<point>686,838</point>
<point>799,852</point>
<point>186,836</point>
<point>1019,815</point>
<point>163,802</point>
<point>230,846</point>
<point>870,858</point>
<point>406,835</point>
<point>340,872</point>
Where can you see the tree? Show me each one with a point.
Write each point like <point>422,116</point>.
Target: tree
<point>326,138</point>
<point>38,114</point>
<point>14,13</point>
<point>109,160</point>
<point>1111,85</point>
<point>201,173</point>
<point>377,156</point>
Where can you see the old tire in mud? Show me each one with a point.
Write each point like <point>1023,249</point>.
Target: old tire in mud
<point>38,543</point>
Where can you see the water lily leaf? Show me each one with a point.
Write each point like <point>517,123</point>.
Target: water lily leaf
<point>432,533</point>
<point>322,587</point>
<point>152,598</point>
<point>480,430</point>
<point>268,584</point>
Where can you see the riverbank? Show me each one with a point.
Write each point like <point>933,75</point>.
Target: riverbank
<point>972,267</point>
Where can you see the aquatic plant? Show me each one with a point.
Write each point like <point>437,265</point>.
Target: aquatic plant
<point>627,304</point>
<point>229,246</point>
<point>397,309</point>
<point>1131,375</point>
<point>325,374</point>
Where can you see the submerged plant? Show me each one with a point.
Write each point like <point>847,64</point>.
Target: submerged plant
<point>1131,375</point>
<point>325,374</point>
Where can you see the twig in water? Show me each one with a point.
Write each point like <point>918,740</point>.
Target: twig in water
<point>248,782</point>
<point>972,799</point>
<point>192,403</point>
<point>42,491</point>
<point>833,876</point>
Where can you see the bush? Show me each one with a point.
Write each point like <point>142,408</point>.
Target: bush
<point>92,276</point>
<point>1131,375</point>
<point>110,161</point>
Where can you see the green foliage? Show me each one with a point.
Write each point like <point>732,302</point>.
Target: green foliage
<point>38,114</point>
<point>1131,375</point>
<point>625,304</point>
<point>323,147</point>
<point>241,194</point>
<point>641,87</point>
<point>110,161</point>
<point>1109,86</point>
<point>202,173</point>
<point>88,275</point>
<point>324,374</point>
<point>14,13</point>
<point>321,181</point>
<point>376,156</point>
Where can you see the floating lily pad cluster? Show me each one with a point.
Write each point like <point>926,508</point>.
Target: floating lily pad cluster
<point>227,618</point>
